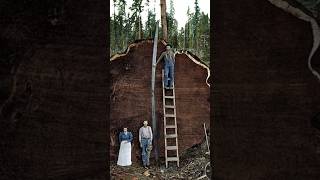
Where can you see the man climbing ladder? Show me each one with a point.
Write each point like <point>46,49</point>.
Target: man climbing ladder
<point>169,107</point>
<point>169,61</point>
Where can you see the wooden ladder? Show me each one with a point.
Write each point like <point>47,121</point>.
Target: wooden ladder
<point>170,123</point>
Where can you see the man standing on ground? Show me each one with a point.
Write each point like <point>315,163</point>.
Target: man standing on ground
<point>145,139</point>
<point>169,61</point>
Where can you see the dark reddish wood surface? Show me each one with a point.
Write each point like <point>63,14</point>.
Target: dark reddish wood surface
<point>54,115</point>
<point>264,96</point>
<point>131,97</point>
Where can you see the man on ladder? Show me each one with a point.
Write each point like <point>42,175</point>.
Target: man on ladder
<point>169,61</point>
<point>169,107</point>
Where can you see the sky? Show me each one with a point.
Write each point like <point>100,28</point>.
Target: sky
<point>180,7</point>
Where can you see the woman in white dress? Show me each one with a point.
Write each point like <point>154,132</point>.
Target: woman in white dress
<point>125,139</point>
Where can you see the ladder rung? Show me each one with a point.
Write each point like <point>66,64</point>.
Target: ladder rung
<point>169,97</point>
<point>169,89</point>
<point>171,148</point>
<point>171,136</point>
<point>172,159</point>
<point>169,115</point>
<point>169,106</point>
<point>171,126</point>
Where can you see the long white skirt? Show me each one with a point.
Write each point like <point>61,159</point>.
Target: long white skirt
<point>124,158</point>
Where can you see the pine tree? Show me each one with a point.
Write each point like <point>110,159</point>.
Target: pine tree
<point>189,30</point>
<point>112,42</point>
<point>136,9</point>
<point>204,40</point>
<point>121,20</point>
<point>150,25</point>
<point>194,36</point>
<point>172,11</point>
<point>195,24</point>
<point>128,30</point>
<point>115,28</point>
<point>127,27</point>
<point>172,26</point>
<point>181,39</point>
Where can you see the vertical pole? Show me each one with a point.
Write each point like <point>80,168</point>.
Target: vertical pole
<point>205,131</point>
<point>153,101</point>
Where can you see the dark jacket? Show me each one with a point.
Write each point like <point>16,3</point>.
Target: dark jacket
<point>123,137</point>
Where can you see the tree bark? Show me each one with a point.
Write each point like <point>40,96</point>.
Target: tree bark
<point>139,33</point>
<point>164,20</point>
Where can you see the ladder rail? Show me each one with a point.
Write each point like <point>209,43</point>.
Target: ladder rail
<point>175,121</point>
<point>164,120</point>
<point>165,116</point>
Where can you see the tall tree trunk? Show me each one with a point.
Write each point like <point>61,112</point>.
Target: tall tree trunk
<point>115,23</point>
<point>140,31</point>
<point>185,38</point>
<point>164,20</point>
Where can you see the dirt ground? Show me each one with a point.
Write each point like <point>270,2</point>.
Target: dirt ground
<point>192,166</point>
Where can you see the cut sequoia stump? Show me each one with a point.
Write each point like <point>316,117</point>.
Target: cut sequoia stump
<point>53,113</point>
<point>264,94</point>
<point>130,97</point>
<point>55,122</point>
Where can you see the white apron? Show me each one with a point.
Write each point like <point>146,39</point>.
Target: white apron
<point>124,158</point>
